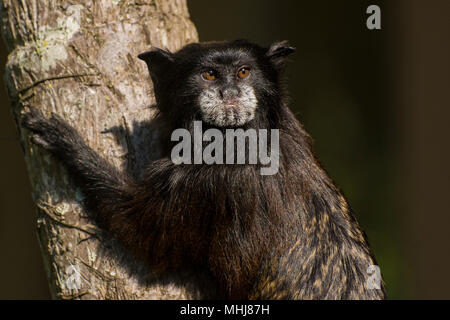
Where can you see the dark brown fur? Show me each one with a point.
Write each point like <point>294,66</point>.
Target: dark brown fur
<point>287,236</point>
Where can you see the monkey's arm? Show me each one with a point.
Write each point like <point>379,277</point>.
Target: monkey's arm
<point>110,194</point>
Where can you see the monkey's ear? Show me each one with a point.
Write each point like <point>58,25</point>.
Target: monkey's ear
<point>157,61</point>
<point>278,52</point>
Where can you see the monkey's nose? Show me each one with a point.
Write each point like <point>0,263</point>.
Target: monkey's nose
<point>229,93</point>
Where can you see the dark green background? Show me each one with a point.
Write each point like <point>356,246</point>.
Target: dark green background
<point>375,102</point>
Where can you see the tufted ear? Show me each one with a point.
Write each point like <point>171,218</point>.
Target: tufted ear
<point>278,52</point>
<point>157,61</point>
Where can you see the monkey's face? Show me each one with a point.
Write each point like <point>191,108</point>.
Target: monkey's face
<point>225,84</point>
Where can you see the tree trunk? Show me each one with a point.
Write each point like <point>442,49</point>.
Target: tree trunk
<point>79,61</point>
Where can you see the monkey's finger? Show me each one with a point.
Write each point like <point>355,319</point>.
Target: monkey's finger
<point>39,141</point>
<point>33,120</point>
<point>56,117</point>
<point>32,124</point>
<point>35,112</point>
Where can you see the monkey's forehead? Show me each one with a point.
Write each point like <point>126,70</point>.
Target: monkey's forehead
<point>227,53</point>
<point>230,56</point>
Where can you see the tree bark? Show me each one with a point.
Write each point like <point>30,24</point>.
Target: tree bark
<point>78,59</point>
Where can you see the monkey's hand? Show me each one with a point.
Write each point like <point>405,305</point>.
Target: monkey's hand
<point>103,185</point>
<point>52,134</point>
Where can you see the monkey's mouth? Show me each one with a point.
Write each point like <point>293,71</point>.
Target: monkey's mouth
<point>231,104</point>
<point>231,112</point>
<point>234,113</point>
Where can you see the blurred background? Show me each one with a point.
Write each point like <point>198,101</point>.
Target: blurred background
<point>376,103</point>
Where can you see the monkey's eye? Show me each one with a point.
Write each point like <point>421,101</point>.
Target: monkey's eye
<point>243,72</point>
<point>209,75</point>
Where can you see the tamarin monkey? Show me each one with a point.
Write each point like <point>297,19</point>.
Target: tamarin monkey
<point>289,235</point>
